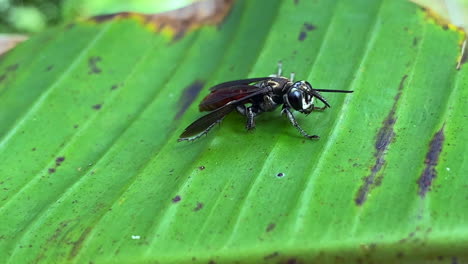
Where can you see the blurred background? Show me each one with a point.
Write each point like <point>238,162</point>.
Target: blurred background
<point>29,16</point>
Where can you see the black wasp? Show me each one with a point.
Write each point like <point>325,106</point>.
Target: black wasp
<point>251,97</point>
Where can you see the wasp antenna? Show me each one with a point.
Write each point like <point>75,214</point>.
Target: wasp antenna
<point>332,91</point>
<point>320,97</point>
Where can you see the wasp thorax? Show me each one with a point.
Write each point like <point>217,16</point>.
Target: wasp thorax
<point>299,97</point>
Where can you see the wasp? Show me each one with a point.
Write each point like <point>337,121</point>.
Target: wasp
<point>251,97</point>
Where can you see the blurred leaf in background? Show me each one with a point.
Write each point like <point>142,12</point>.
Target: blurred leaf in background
<point>80,8</point>
<point>35,15</point>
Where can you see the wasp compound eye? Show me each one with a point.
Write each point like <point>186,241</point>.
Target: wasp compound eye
<point>295,99</point>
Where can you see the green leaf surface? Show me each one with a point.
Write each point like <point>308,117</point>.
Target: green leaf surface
<point>91,169</point>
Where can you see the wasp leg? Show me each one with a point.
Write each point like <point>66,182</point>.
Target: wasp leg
<point>296,125</point>
<point>250,119</point>
<point>280,69</point>
<point>242,109</point>
<point>248,112</point>
<point>279,72</point>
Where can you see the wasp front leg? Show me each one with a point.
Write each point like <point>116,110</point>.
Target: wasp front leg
<point>293,121</point>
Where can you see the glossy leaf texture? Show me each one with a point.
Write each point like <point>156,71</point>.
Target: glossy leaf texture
<point>91,169</point>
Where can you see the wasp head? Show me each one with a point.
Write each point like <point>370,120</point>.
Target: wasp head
<point>300,97</point>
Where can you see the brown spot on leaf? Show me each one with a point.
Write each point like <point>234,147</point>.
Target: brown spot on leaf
<point>179,21</point>
<point>384,138</point>
<point>432,158</point>
<point>270,227</point>
<point>51,170</point>
<point>307,27</point>
<point>272,255</point>
<point>201,167</point>
<point>198,207</point>
<point>188,96</point>
<point>59,160</point>
<point>106,17</point>
<point>93,67</point>
<point>176,199</point>
<point>2,77</point>
<point>97,106</point>
<point>296,2</point>
<point>78,243</point>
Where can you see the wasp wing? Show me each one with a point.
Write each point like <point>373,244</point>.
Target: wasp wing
<point>206,122</point>
<point>232,84</point>
<point>221,97</point>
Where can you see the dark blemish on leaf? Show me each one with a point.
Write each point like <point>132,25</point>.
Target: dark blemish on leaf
<point>51,170</point>
<point>77,244</point>
<point>50,67</point>
<point>115,86</point>
<point>2,77</point>
<point>454,260</point>
<point>104,18</point>
<point>176,199</point>
<point>272,255</point>
<point>296,2</point>
<point>270,227</point>
<point>292,261</point>
<point>198,207</point>
<point>415,41</point>
<point>33,149</point>
<point>201,167</point>
<point>280,174</point>
<point>75,126</point>
<point>400,255</point>
<point>59,160</point>
<point>97,106</point>
<point>12,67</point>
<point>307,27</point>
<point>70,26</point>
<point>432,158</point>
<point>211,262</point>
<point>93,67</point>
<point>188,96</point>
<point>302,36</point>
<point>384,138</point>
